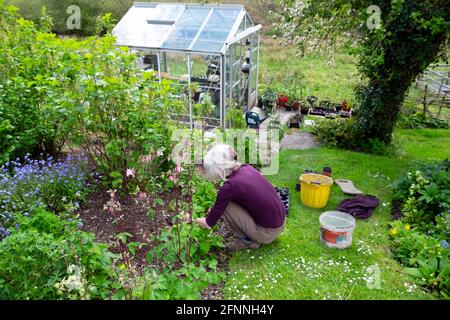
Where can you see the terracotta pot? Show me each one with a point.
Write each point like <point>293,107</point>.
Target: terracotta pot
<point>296,105</point>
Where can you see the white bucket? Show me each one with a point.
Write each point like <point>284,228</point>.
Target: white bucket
<point>336,229</point>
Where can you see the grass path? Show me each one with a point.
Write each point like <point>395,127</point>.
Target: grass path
<point>298,266</point>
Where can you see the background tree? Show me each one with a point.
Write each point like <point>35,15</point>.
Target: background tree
<point>397,40</point>
<point>90,10</point>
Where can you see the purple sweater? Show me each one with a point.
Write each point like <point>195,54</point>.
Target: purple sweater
<point>253,192</point>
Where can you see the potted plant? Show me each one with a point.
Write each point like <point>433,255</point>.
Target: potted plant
<point>312,101</point>
<point>269,98</point>
<point>346,106</point>
<point>304,109</point>
<point>346,111</point>
<point>291,98</point>
<point>296,85</point>
<point>282,100</point>
<point>294,101</point>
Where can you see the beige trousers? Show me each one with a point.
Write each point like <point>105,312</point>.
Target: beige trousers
<point>243,225</point>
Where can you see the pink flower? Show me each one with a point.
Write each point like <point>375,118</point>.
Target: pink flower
<point>147,159</point>
<point>131,173</point>
<point>171,178</point>
<point>179,168</point>
<point>142,196</point>
<point>112,194</point>
<point>159,153</point>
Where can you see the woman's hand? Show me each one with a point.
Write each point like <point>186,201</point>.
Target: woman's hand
<point>202,223</point>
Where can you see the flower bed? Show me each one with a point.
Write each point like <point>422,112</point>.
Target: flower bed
<point>30,185</point>
<point>150,250</point>
<point>420,238</point>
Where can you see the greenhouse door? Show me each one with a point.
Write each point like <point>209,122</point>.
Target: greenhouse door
<point>253,76</point>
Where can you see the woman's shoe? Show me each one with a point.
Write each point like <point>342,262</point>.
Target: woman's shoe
<point>242,244</point>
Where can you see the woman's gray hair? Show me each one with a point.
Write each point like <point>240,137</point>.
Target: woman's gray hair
<point>220,162</point>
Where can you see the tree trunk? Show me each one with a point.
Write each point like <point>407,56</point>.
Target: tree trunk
<point>392,63</point>
<point>379,106</point>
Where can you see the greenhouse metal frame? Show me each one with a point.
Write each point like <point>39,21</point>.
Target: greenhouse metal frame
<point>223,37</point>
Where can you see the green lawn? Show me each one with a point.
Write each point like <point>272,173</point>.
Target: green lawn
<point>423,144</point>
<point>298,266</point>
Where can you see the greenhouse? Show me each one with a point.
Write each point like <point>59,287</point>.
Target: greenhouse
<point>213,48</point>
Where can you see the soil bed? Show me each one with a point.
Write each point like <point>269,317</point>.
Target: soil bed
<point>135,221</point>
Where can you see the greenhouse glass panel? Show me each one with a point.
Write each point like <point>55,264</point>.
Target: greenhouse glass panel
<point>208,46</point>
<point>186,28</point>
<point>216,30</point>
<point>136,28</point>
<point>165,12</point>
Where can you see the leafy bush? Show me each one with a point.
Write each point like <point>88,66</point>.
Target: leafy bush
<point>189,266</point>
<point>181,258</point>
<point>342,133</point>
<point>43,222</point>
<point>337,133</point>
<point>123,116</point>
<point>425,257</point>
<point>33,115</point>
<point>420,239</point>
<point>25,188</point>
<point>40,265</point>
<point>185,283</point>
<point>90,93</point>
<point>424,193</point>
<point>420,120</point>
<point>185,243</point>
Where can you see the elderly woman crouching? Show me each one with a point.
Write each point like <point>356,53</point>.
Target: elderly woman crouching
<point>247,199</point>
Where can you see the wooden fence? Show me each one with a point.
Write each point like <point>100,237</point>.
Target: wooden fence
<point>435,83</point>
<point>437,78</point>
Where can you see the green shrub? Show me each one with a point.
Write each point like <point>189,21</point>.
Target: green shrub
<point>43,222</point>
<point>33,116</point>
<point>123,116</point>
<point>204,196</point>
<point>342,133</point>
<point>420,120</point>
<point>420,239</point>
<point>425,193</point>
<point>337,133</point>
<point>33,264</point>
<point>424,257</point>
<point>90,93</point>
<point>186,283</point>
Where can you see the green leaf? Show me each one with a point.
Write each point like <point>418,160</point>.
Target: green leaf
<point>415,272</point>
<point>123,237</point>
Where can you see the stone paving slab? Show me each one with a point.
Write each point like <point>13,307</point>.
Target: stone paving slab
<point>299,141</point>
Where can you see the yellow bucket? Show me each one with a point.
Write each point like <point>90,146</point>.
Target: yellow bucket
<point>315,190</point>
